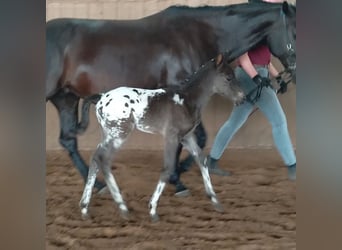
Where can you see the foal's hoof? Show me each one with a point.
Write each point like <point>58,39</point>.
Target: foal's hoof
<point>84,214</point>
<point>101,187</point>
<point>218,171</point>
<point>155,218</point>
<point>124,214</point>
<point>291,172</point>
<point>218,207</point>
<point>103,191</point>
<point>181,190</point>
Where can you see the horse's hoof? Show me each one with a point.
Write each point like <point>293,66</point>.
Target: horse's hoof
<point>218,171</point>
<point>183,193</point>
<point>155,218</point>
<point>85,217</point>
<point>218,207</point>
<point>124,214</point>
<point>292,172</point>
<point>181,190</point>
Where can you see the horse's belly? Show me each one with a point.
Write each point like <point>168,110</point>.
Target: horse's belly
<point>88,72</point>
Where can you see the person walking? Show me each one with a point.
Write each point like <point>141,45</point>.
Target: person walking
<point>254,71</point>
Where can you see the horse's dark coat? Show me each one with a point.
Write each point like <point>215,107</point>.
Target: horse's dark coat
<point>85,57</point>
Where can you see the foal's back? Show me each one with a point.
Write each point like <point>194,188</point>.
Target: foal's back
<point>148,110</point>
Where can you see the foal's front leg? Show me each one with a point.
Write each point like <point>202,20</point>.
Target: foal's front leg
<point>170,151</point>
<point>191,145</point>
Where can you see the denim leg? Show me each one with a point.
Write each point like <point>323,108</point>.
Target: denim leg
<point>271,108</point>
<point>237,118</point>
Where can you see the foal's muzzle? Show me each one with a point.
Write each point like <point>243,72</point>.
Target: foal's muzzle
<point>292,70</point>
<point>240,99</point>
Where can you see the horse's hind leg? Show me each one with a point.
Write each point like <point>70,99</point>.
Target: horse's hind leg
<point>170,150</point>
<point>83,124</point>
<point>67,107</point>
<point>191,145</point>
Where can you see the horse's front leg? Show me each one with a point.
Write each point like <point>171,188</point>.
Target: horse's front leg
<point>184,165</point>
<point>191,145</point>
<point>170,151</point>
<point>181,189</point>
<point>67,107</point>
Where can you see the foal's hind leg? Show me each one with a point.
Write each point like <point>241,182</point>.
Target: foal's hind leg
<point>201,138</point>
<point>67,107</point>
<point>191,145</point>
<point>84,203</point>
<point>104,156</point>
<point>171,144</point>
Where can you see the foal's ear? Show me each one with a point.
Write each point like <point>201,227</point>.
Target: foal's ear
<point>219,59</point>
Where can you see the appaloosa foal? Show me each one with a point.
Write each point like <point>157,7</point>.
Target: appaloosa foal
<point>173,112</point>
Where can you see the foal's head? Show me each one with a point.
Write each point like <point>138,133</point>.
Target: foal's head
<point>225,83</point>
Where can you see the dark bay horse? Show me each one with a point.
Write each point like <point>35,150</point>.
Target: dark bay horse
<point>85,57</point>
<point>173,112</point>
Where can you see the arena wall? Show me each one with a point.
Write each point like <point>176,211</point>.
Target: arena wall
<point>256,133</point>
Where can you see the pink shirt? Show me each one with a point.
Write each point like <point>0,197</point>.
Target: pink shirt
<point>260,55</point>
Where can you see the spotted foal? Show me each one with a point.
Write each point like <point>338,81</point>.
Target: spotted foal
<point>173,112</point>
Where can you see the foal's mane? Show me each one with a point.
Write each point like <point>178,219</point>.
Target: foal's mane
<point>193,78</point>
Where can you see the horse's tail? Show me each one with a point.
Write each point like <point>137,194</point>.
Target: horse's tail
<point>83,124</point>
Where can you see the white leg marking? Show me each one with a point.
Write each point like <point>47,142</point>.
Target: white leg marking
<point>122,206</point>
<point>192,146</point>
<point>115,192</point>
<point>84,203</point>
<point>84,211</point>
<point>155,197</point>
<point>207,183</point>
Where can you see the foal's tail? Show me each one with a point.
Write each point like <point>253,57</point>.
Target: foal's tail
<point>83,124</point>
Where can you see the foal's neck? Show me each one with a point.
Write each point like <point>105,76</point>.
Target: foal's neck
<point>198,89</point>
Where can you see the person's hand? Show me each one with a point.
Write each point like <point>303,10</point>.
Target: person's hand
<point>262,81</point>
<point>282,85</point>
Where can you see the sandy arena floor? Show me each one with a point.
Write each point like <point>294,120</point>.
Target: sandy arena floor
<point>259,206</point>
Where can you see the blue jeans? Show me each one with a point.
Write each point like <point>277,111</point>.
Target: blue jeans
<point>269,105</point>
